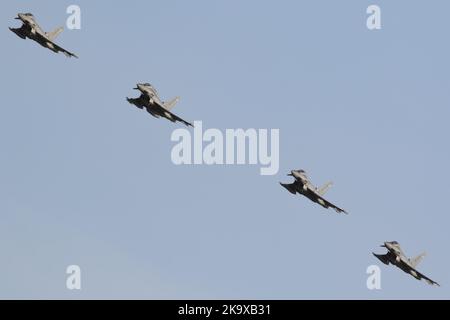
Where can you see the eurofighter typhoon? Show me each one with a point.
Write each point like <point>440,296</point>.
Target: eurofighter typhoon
<point>149,99</point>
<point>396,257</point>
<point>30,29</point>
<point>303,186</point>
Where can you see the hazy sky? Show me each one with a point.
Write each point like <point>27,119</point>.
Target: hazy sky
<point>87,179</point>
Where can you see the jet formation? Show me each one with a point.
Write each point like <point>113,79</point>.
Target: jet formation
<point>396,257</point>
<point>149,99</point>
<point>303,186</point>
<point>30,29</point>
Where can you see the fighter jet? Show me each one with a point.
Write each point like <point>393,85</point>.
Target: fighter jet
<point>149,99</point>
<point>30,29</point>
<point>396,257</point>
<point>303,186</point>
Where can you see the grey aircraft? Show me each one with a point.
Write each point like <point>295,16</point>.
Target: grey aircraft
<point>30,29</point>
<point>396,257</point>
<point>150,100</point>
<point>303,186</point>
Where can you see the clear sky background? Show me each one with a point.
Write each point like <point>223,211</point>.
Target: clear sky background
<point>87,179</point>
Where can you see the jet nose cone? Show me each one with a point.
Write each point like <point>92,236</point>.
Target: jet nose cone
<point>21,16</point>
<point>387,244</point>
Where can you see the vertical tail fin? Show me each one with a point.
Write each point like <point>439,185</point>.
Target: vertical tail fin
<point>52,35</point>
<point>325,188</point>
<point>169,105</point>
<point>416,260</point>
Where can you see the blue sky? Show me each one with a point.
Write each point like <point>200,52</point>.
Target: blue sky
<point>87,179</point>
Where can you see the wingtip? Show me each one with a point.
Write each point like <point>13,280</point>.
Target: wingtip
<point>70,55</point>
<point>433,283</point>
